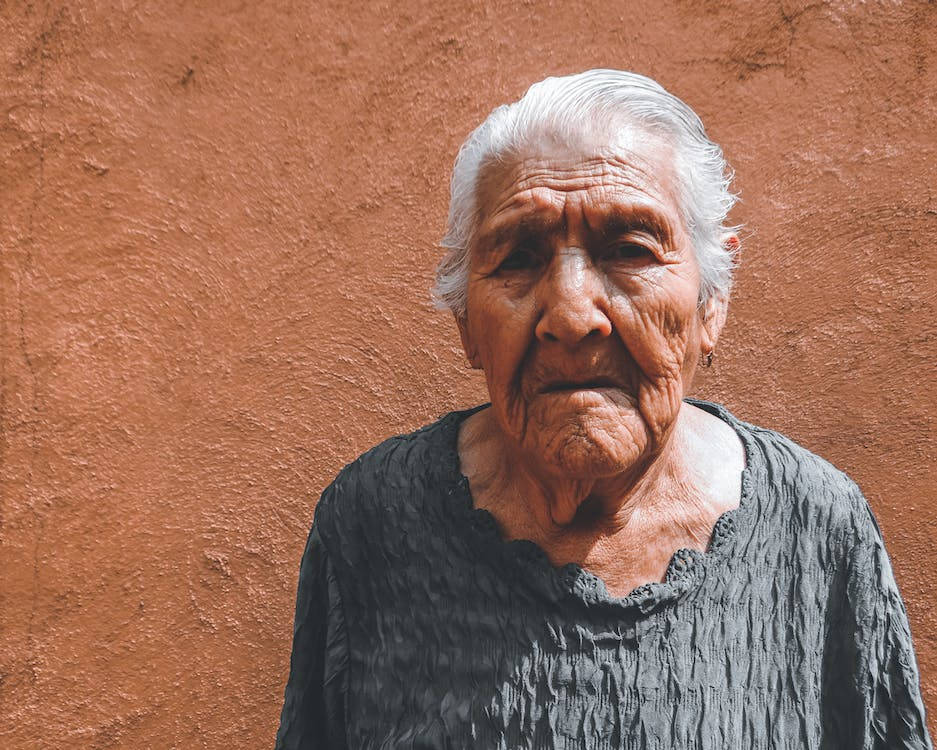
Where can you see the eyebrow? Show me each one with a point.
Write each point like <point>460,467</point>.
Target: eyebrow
<point>613,219</point>
<point>618,219</point>
<point>532,224</point>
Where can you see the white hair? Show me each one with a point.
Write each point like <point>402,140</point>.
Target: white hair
<point>594,101</point>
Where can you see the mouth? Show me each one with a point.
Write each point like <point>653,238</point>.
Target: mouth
<point>559,386</point>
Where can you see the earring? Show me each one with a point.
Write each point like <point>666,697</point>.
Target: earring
<point>707,358</point>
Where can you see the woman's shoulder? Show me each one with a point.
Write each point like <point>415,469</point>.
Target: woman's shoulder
<point>391,479</point>
<point>800,480</point>
<point>786,461</point>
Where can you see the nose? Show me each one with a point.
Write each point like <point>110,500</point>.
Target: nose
<point>572,298</point>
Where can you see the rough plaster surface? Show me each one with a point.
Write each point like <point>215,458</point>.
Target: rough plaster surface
<point>217,231</point>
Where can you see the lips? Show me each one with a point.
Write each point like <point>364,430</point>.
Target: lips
<point>556,386</point>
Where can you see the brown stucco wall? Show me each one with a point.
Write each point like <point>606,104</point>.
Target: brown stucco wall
<point>217,230</point>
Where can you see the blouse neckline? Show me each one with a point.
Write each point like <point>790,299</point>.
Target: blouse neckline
<point>684,571</point>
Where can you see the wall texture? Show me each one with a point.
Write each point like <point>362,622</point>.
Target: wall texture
<point>217,232</point>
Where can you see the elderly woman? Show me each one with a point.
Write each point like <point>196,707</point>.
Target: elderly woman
<point>593,560</point>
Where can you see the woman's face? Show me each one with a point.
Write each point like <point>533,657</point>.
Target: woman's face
<point>582,304</point>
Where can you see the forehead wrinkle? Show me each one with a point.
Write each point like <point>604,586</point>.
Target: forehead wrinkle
<point>531,210</point>
<point>579,176</point>
<point>600,209</point>
<point>538,190</point>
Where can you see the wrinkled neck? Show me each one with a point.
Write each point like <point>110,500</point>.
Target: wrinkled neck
<point>514,484</point>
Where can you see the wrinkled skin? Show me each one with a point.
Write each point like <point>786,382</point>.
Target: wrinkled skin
<point>583,313</point>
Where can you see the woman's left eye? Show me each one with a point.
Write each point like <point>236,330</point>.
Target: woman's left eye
<point>627,251</point>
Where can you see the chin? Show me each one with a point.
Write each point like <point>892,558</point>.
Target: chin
<point>589,445</point>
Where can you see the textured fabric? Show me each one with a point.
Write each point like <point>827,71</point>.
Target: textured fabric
<point>418,626</point>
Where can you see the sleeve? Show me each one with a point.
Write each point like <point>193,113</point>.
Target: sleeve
<point>875,681</point>
<point>313,715</point>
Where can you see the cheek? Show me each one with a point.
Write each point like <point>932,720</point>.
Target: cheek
<point>657,325</point>
<point>502,327</point>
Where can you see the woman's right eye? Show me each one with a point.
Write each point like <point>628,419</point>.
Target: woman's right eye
<point>520,259</point>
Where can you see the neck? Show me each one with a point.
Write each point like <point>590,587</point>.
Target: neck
<point>512,483</point>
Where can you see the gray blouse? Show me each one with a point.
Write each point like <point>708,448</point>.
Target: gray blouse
<point>417,626</point>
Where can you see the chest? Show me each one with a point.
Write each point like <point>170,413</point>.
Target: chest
<point>482,649</point>
<point>488,679</point>
<point>638,554</point>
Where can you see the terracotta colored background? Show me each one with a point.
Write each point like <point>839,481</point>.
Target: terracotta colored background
<point>217,229</point>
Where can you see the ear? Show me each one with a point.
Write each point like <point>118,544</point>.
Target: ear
<point>716,308</point>
<point>468,345</point>
<point>713,315</point>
